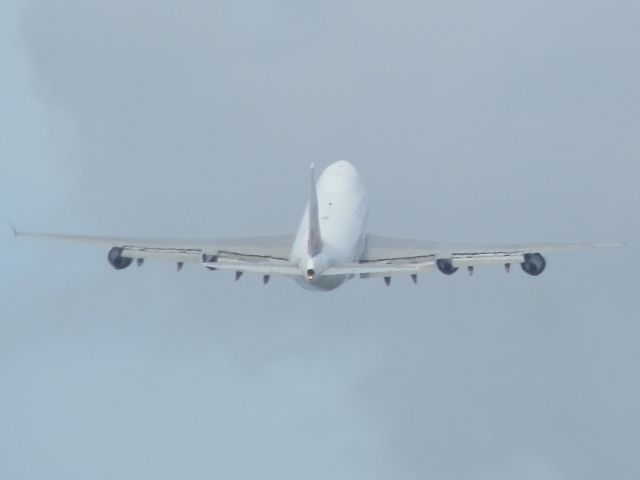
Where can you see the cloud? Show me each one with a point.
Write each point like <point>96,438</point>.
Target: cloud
<point>486,122</point>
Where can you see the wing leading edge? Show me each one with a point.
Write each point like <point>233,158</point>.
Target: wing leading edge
<point>266,254</point>
<point>269,255</point>
<point>413,256</point>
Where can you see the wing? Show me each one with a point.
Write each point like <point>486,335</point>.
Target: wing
<point>268,254</point>
<point>402,256</point>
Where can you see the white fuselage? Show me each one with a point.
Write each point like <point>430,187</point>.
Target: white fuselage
<point>343,208</point>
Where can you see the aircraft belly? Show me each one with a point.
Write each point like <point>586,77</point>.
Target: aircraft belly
<point>323,283</point>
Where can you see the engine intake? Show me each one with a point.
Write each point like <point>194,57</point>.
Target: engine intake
<point>445,265</point>
<point>534,264</point>
<point>116,259</point>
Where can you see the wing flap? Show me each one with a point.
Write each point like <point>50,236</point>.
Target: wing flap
<point>164,254</point>
<point>486,259</point>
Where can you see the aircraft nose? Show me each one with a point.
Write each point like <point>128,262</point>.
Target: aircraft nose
<point>345,165</point>
<point>344,169</point>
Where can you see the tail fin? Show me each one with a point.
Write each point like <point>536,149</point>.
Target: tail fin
<point>314,240</point>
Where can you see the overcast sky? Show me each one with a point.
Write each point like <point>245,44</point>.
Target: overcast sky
<point>484,121</point>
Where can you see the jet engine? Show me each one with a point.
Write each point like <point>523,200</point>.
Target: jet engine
<point>534,264</point>
<point>445,265</point>
<point>116,259</point>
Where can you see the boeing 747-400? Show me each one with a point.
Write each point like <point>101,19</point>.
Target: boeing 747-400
<point>330,246</point>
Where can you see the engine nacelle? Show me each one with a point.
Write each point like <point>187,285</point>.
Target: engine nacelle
<point>445,265</point>
<point>116,259</point>
<point>534,264</point>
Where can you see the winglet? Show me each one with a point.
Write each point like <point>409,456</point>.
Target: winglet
<point>314,240</point>
<point>13,229</point>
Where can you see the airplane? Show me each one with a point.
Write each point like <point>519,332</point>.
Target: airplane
<point>330,246</point>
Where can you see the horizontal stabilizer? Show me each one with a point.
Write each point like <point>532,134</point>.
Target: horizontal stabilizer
<point>263,268</point>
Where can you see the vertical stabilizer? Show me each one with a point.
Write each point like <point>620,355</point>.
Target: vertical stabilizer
<point>314,240</point>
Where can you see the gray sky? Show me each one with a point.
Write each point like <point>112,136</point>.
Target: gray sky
<point>495,120</point>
